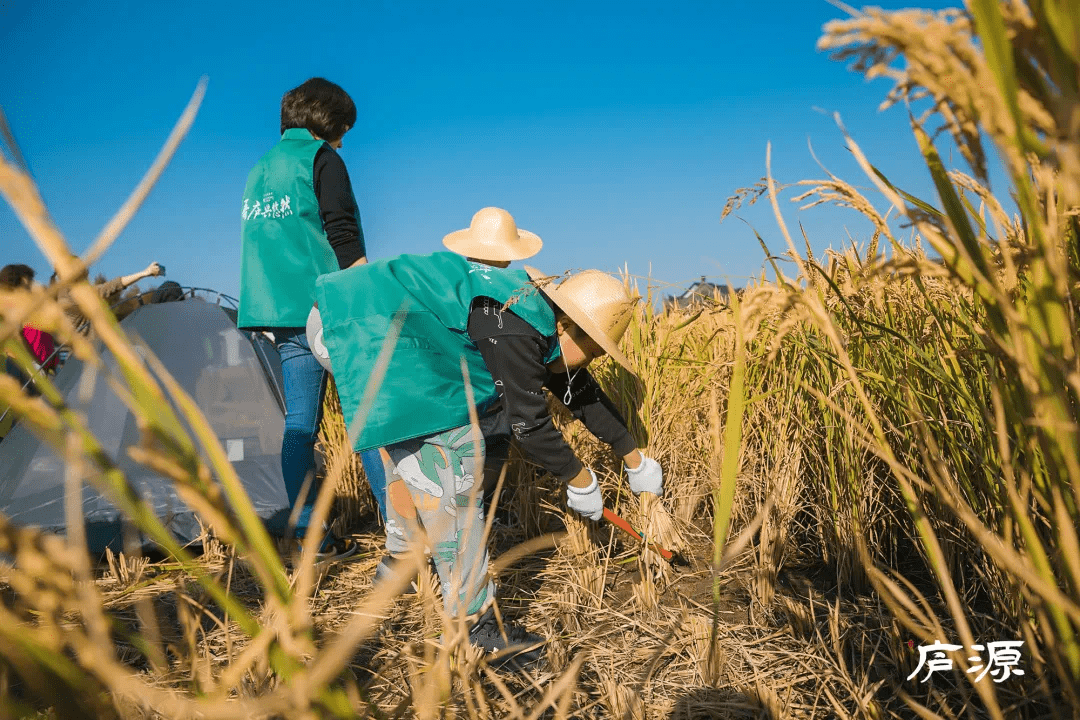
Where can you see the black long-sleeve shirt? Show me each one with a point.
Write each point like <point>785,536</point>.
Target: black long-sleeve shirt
<point>337,207</point>
<point>514,353</point>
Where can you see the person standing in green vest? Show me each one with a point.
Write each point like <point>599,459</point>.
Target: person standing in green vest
<point>299,220</point>
<point>450,319</point>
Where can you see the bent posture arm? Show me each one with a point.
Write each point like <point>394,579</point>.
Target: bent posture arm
<point>113,286</point>
<point>591,406</point>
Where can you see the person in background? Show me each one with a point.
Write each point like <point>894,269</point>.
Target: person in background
<point>300,220</point>
<point>106,290</point>
<point>168,291</point>
<point>41,344</point>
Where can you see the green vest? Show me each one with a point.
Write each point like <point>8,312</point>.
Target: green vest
<point>429,297</point>
<point>284,245</point>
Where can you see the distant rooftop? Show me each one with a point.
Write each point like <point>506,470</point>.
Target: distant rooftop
<point>700,292</point>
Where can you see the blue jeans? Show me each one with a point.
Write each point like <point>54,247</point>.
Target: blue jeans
<point>305,385</point>
<point>376,475</point>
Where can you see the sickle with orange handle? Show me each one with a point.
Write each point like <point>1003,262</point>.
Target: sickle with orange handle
<point>618,522</point>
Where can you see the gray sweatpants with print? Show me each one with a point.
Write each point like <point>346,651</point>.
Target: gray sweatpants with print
<point>432,491</point>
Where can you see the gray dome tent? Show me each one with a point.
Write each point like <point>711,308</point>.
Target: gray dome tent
<point>233,376</point>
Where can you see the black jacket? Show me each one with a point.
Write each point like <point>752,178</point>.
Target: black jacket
<point>337,206</point>
<point>514,353</point>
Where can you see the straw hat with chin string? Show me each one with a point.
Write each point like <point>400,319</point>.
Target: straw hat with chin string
<point>598,303</point>
<point>493,235</point>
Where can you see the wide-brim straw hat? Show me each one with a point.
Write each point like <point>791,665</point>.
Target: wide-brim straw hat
<point>598,303</point>
<point>493,235</point>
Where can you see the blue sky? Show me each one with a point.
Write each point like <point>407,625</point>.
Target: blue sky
<point>615,131</point>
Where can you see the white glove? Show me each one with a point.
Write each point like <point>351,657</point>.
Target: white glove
<point>315,341</point>
<point>646,477</point>
<point>587,502</point>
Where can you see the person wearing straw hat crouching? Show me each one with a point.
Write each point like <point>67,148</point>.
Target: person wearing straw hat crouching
<point>490,243</point>
<point>493,239</point>
<point>438,352</point>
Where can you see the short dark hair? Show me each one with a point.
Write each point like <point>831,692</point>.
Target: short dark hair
<point>319,106</point>
<point>168,291</point>
<point>13,276</point>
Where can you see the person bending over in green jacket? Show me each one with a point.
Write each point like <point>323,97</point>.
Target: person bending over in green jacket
<point>490,243</point>
<point>515,335</point>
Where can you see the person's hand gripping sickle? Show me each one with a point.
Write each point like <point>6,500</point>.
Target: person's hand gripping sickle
<point>588,502</point>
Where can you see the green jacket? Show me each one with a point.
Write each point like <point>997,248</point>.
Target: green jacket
<point>284,247</point>
<point>428,298</point>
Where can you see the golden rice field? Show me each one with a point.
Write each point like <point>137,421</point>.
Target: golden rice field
<point>864,453</point>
